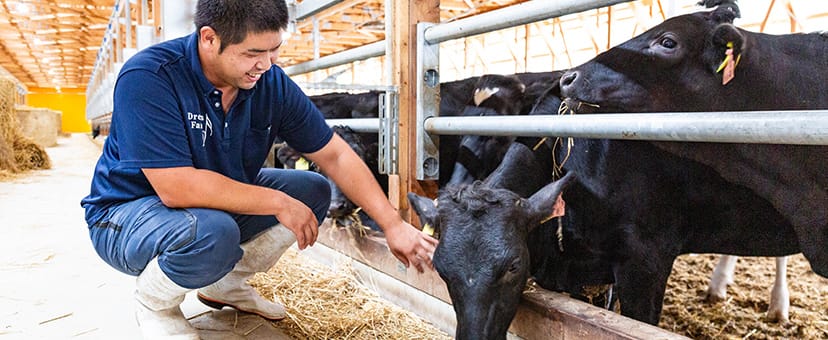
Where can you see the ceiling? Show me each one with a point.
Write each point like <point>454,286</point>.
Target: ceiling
<point>54,44</point>
<point>50,43</point>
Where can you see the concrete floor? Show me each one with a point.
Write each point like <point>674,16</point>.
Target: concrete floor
<point>54,286</point>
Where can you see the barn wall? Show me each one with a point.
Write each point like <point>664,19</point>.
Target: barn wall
<point>72,104</point>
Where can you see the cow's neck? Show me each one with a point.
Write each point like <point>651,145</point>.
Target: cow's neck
<point>773,66</point>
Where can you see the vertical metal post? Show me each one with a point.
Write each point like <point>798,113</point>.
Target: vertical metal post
<point>428,104</point>
<point>388,133</point>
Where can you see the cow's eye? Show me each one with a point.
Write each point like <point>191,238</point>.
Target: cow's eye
<point>668,42</point>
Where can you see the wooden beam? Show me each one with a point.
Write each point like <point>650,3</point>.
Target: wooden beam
<point>407,14</point>
<point>548,315</point>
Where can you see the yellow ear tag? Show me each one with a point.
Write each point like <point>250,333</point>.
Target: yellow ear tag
<point>729,64</point>
<point>428,229</point>
<point>302,164</point>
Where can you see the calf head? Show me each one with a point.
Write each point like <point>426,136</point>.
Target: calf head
<point>499,92</point>
<point>485,273</point>
<point>675,66</point>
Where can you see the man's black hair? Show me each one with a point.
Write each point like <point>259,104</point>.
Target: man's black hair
<point>234,19</point>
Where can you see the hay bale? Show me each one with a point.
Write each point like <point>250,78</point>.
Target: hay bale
<point>8,165</point>
<point>38,124</point>
<point>17,153</point>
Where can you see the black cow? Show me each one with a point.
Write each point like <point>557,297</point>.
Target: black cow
<point>634,206</point>
<point>673,67</point>
<point>478,239</point>
<point>634,217</point>
<point>480,256</point>
<point>496,95</point>
<point>365,145</point>
<point>477,156</point>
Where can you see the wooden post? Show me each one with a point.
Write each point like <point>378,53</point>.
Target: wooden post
<point>406,16</point>
<point>156,20</point>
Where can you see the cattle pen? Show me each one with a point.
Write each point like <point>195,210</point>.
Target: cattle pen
<point>348,45</point>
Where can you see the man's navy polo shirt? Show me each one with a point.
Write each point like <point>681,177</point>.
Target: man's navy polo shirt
<point>167,114</point>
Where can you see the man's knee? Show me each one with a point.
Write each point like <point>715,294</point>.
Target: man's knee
<point>210,254</point>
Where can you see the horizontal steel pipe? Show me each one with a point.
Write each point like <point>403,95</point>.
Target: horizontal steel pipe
<point>520,14</point>
<point>371,50</point>
<point>776,127</point>
<point>357,124</point>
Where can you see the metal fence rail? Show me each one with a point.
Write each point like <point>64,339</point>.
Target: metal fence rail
<point>774,127</point>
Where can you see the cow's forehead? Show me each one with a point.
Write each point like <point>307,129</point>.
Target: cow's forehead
<point>693,25</point>
<point>691,30</point>
<point>475,200</point>
<point>493,219</point>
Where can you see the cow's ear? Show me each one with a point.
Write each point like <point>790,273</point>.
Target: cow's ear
<point>546,202</point>
<point>426,210</point>
<point>724,37</point>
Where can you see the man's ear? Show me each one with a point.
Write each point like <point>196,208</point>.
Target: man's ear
<point>208,38</point>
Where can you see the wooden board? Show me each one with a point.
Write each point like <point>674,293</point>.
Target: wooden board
<point>542,314</point>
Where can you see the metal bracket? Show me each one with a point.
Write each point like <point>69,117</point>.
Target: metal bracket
<point>428,105</point>
<point>389,140</point>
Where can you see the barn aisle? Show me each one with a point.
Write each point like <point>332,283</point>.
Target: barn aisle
<point>53,285</point>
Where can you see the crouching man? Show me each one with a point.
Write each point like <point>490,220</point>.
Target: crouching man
<point>179,198</point>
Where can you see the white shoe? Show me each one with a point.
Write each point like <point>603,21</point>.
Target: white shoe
<point>157,306</point>
<point>260,254</point>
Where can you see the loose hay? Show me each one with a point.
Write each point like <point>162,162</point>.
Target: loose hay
<point>29,155</point>
<point>742,314</point>
<point>322,303</point>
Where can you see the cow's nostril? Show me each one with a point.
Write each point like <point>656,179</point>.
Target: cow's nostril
<point>569,78</point>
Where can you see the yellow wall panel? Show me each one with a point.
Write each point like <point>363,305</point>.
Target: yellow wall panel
<point>72,104</point>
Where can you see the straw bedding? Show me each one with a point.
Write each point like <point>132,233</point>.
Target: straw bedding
<point>325,303</point>
<point>742,314</point>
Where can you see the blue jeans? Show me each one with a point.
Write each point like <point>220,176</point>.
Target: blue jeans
<point>195,247</point>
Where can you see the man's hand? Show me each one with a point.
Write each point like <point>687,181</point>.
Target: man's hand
<point>297,217</point>
<point>411,246</point>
